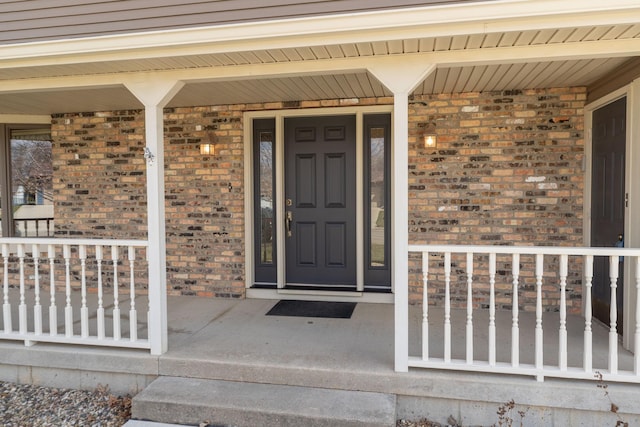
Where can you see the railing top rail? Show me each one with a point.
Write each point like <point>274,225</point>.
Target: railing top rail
<point>526,250</point>
<point>74,242</point>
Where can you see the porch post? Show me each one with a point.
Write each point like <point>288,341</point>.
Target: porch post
<point>155,95</point>
<point>631,334</point>
<point>401,79</point>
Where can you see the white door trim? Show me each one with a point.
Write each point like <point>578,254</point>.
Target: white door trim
<point>279,116</point>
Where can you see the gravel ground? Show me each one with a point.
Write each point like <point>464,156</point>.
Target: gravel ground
<point>23,405</point>
<point>28,405</point>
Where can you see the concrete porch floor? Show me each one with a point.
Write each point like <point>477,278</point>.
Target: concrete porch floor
<point>235,341</point>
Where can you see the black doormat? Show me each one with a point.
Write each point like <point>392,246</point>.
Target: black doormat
<point>333,310</point>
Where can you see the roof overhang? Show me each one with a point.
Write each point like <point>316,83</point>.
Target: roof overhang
<point>480,46</point>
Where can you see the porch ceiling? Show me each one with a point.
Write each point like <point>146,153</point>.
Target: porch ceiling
<point>506,65</point>
<point>506,76</point>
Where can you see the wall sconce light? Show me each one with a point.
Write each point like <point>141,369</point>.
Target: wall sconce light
<point>209,148</point>
<point>429,137</point>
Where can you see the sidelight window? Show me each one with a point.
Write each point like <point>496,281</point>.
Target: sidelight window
<point>264,201</point>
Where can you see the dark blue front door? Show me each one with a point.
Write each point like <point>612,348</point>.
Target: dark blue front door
<point>320,201</point>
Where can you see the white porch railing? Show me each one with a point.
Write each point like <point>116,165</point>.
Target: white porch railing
<point>486,276</point>
<point>75,291</point>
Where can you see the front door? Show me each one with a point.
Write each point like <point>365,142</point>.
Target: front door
<point>320,202</point>
<point>608,201</point>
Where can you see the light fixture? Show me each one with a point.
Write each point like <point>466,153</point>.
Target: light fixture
<point>208,148</point>
<point>429,137</point>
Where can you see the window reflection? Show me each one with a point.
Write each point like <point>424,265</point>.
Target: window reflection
<point>266,198</point>
<point>376,193</point>
<point>31,183</point>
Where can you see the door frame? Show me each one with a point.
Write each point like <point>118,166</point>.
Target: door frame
<point>632,189</point>
<point>280,291</point>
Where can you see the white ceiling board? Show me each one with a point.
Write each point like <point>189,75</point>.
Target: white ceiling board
<point>508,39</point>
<point>364,49</point>
<point>395,47</point>
<point>491,40</point>
<point>411,46</point>
<point>67,101</point>
<point>442,44</point>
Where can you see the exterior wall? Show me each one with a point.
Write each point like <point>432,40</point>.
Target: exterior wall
<point>508,170</point>
<point>98,166</point>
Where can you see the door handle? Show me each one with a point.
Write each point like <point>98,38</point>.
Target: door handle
<point>288,219</point>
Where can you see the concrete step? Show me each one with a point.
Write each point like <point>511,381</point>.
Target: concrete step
<point>224,403</point>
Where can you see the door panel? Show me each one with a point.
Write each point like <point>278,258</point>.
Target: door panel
<point>335,181</point>
<point>306,242</point>
<point>336,244</point>
<point>320,183</point>
<point>305,181</point>
<point>608,200</point>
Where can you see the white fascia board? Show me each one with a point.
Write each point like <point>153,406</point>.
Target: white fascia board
<point>485,56</point>
<point>429,21</point>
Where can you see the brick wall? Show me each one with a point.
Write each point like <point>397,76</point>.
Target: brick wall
<point>507,171</point>
<point>99,174</point>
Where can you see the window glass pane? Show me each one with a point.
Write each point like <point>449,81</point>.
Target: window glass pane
<point>31,182</point>
<point>266,198</point>
<point>376,194</point>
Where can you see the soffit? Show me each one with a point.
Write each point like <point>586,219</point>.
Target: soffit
<point>566,37</point>
<point>485,74</point>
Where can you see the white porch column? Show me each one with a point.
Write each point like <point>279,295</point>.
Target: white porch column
<point>632,227</point>
<point>155,95</point>
<point>401,78</point>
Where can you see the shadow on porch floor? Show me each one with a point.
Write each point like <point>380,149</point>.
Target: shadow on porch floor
<point>234,340</point>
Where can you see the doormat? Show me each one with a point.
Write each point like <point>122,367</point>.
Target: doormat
<point>296,308</point>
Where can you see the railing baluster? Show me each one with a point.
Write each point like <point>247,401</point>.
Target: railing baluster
<point>588,334</point>
<point>37,307</point>
<point>6,306</point>
<point>469,308</point>
<point>636,353</point>
<point>84,310</point>
<point>25,299</point>
<point>22,308</point>
<point>614,263</point>
<point>425,306</point>
<point>100,313</point>
<point>539,334</point>
<point>447,307</point>
<point>492,309</point>
<point>562,333</point>
<point>133,315</point>
<point>116,303</point>
<point>53,313</point>
<point>515,330</point>
<point>68,309</point>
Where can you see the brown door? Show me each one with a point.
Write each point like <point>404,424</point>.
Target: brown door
<point>608,201</point>
<point>320,193</point>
